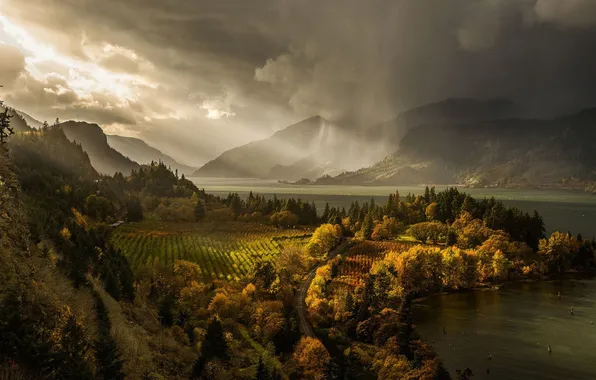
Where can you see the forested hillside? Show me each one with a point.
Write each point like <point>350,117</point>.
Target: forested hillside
<point>140,152</point>
<point>104,158</point>
<point>503,153</point>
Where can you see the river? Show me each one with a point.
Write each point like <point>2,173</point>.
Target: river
<point>515,325</point>
<point>562,210</point>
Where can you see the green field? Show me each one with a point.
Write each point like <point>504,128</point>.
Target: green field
<point>225,251</point>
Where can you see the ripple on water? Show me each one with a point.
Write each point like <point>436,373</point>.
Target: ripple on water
<point>515,325</point>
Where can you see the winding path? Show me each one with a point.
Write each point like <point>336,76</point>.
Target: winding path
<point>305,325</point>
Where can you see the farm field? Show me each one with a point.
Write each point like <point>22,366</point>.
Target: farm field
<point>224,251</point>
<point>361,256</point>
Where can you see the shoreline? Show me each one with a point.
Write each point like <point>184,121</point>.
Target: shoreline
<point>567,276</point>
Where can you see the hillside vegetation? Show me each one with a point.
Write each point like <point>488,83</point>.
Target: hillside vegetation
<point>104,158</point>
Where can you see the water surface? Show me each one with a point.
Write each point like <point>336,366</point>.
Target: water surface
<point>515,325</point>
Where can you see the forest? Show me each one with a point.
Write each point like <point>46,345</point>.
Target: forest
<point>149,277</point>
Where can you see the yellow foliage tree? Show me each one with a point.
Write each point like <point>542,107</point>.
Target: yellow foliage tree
<point>312,359</point>
<point>325,237</point>
<point>558,250</point>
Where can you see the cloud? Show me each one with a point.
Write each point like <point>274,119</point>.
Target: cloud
<point>247,68</point>
<point>12,64</point>
<point>567,13</point>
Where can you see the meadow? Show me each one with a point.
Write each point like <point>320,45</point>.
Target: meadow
<point>224,251</point>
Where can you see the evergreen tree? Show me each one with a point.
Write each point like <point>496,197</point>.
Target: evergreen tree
<point>262,371</point>
<point>367,226</point>
<point>451,238</point>
<point>326,215</point>
<point>406,330</point>
<point>108,357</point>
<point>5,129</point>
<point>134,210</point>
<point>199,211</point>
<point>427,195</point>
<point>214,346</point>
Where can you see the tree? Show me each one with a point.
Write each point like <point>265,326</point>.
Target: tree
<point>367,227</point>
<point>284,219</point>
<point>199,210</point>
<point>98,207</point>
<point>312,358</point>
<point>432,212</point>
<point>134,210</point>
<point>264,274</point>
<point>262,371</point>
<point>558,250</point>
<point>325,237</point>
<point>451,238</point>
<point>214,346</point>
<point>5,129</point>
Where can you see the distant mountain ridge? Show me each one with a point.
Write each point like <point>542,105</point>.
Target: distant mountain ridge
<point>316,147</point>
<point>309,145</point>
<point>511,152</point>
<point>142,153</point>
<point>105,159</point>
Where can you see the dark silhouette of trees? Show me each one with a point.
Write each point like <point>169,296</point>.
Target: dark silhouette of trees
<point>214,346</point>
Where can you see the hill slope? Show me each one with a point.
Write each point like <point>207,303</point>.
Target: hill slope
<point>139,151</point>
<point>504,153</point>
<point>316,147</point>
<point>303,147</point>
<point>105,159</point>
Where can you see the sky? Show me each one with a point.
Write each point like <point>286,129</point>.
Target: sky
<point>196,77</point>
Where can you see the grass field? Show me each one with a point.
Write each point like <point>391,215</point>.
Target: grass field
<point>225,251</point>
<point>360,258</point>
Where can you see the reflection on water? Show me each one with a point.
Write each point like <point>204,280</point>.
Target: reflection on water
<point>514,326</point>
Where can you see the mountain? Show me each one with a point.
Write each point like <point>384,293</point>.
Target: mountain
<point>17,122</point>
<point>316,147</point>
<point>446,112</point>
<point>31,122</point>
<point>300,149</point>
<point>105,159</point>
<point>505,153</point>
<point>139,151</point>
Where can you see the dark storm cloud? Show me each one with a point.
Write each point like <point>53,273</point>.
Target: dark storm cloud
<point>266,63</point>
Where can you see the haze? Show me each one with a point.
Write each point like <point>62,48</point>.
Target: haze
<point>195,78</point>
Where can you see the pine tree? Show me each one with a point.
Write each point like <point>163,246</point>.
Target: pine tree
<point>404,336</point>
<point>325,216</point>
<point>262,371</point>
<point>199,211</point>
<point>367,227</point>
<point>5,129</point>
<point>214,346</point>
<point>108,357</point>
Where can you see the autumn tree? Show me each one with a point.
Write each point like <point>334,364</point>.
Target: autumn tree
<point>325,237</point>
<point>312,359</point>
<point>432,211</point>
<point>558,250</point>
<point>284,219</point>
